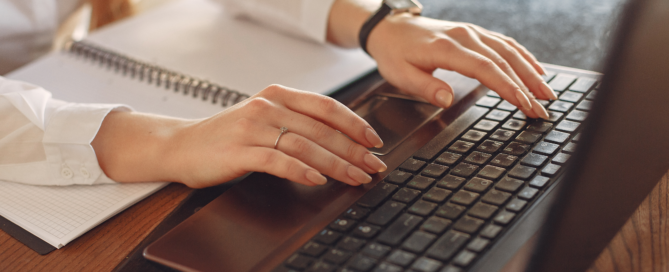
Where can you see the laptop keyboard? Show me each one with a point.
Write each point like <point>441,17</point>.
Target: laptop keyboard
<point>446,204</point>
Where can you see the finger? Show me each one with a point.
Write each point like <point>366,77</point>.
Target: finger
<point>420,83</point>
<point>521,49</point>
<point>322,160</point>
<point>277,163</point>
<point>326,110</point>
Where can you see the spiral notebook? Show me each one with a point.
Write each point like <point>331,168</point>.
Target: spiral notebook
<point>186,58</point>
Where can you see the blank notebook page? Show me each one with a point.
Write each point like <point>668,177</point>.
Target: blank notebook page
<point>58,215</point>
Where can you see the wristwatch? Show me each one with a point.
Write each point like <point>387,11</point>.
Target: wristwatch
<point>387,7</point>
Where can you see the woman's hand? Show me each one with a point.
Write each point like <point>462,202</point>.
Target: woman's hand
<point>241,139</point>
<point>408,48</point>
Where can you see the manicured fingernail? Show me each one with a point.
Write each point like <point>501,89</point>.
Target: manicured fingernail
<point>373,138</point>
<point>545,88</point>
<point>524,101</point>
<point>358,175</point>
<point>315,177</point>
<point>445,98</point>
<point>542,70</point>
<point>374,162</point>
<point>539,110</point>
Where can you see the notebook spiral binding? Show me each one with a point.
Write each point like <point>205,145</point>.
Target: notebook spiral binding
<point>156,75</point>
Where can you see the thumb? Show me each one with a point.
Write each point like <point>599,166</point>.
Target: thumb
<point>417,82</point>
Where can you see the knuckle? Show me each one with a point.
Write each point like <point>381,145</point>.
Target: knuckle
<point>258,105</point>
<point>292,168</point>
<point>320,132</point>
<point>459,31</point>
<point>268,159</point>
<point>485,64</point>
<point>503,64</point>
<point>300,145</point>
<point>444,45</point>
<point>273,89</point>
<point>327,105</point>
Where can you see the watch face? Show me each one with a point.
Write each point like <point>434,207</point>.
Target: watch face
<point>403,5</point>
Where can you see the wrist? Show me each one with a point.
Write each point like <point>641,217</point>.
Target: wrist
<point>388,8</point>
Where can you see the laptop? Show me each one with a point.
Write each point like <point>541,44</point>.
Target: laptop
<point>466,187</point>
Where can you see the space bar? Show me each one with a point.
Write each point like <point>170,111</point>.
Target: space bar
<point>452,131</point>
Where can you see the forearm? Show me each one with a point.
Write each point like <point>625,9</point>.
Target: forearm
<point>346,19</point>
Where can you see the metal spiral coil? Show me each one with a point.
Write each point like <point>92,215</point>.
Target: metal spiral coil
<point>155,75</point>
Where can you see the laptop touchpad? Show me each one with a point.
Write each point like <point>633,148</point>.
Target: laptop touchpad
<point>395,119</point>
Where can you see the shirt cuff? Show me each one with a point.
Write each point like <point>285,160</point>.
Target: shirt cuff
<point>67,143</point>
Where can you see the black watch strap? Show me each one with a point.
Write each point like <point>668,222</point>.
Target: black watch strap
<point>371,22</point>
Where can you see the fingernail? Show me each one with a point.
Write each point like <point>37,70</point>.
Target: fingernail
<point>523,100</point>
<point>445,98</point>
<point>358,175</point>
<point>375,163</point>
<point>539,109</point>
<point>542,70</point>
<point>315,177</point>
<point>373,138</point>
<point>545,88</point>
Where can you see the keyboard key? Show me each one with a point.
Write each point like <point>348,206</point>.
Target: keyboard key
<point>437,195</point>
<point>539,126</point>
<point>376,195</point>
<point>420,182</point>
<point>522,172</point>
<point>492,94</point>
<point>446,246</point>
<point>473,135</point>
<point>497,115</point>
<point>366,231</point>
<point>528,193</point>
<point>464,258</point>
<point>376,250</point>
<point>570,96</point>
<point>553,116</point>
<point>434,170</point>
<point>426,265</point>
<point>495,197</point>
<point>464,169</point>
<point>321,266</point>
<point>387,267</point>
<point>450,211</point>
<point>567,126</point>
<point>591,95</point>
<point>406,195</point>
<point>550,170</point>
<point>451,268</point>
<point>399,229</point>
<point>299,261</point>
<point>468,224</point>
<point>436,224</point>
<point>342,224</point>
<point>336,256</point>
<point>478,184</point>
<point>516,149</point>
<point>482,210</point>
<point>486,125</point>
<point>514,124</point>
<point>585,105</point>
<point>546,148</point>
<point>560,106</point>
<point>489,146</point>
<point>418,241</point>
<point>502,135</point>
<point>528,137</point>
<point>422,208</point>
<point>569,148</point>
<point>577,115</point>
<point>464,197</point>
<point>490,231</point>
<point>583,84</point>
<point>412,165</point>
<point>516,205</point>
<point>548,76</point>
<point>561,158</point>
<point>509,184</point>
<point>504,160</point>
<point>398,177</point>
<point>539,181</point>
<point>401,257</point>
<point>557,137</point>
<point>520,115</point>
<point>505,105</point>
<point>384,214</point>
<point>327,237</point>
<point>543,102</point>
<point>533,159</point>
<point>504,217</point>
<point>561,82</point>
<point>451,182</point>
<point>461,146</point>
<point>361,263</point>
<point>313,249</point>
<point>448,158</point>
<point>488,102</point>
<point>478,157</point>
<point>478,244</point>
<point>577,137</point>
<point>356,212</point>
<point>351,244</point>
<point>491,172</point>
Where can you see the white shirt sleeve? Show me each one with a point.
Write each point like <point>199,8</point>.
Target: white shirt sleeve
<point>45,141</point>
<point>303,18</point>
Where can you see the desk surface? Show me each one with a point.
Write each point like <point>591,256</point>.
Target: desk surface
<point>569,33</point>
